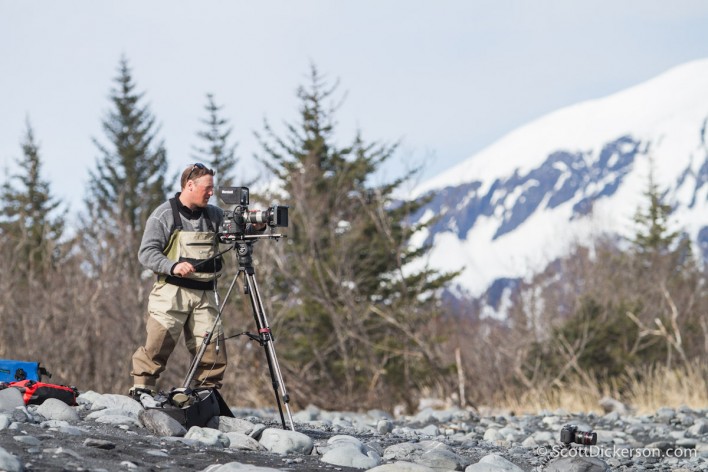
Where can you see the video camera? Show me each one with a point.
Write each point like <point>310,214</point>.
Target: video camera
<point>234,225</point>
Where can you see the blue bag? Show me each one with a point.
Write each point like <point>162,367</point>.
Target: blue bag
<point>15,371</point>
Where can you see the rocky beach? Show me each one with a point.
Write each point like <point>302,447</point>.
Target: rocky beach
<point>109,432</point>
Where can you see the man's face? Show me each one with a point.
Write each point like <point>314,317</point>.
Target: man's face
<point>201,190</point>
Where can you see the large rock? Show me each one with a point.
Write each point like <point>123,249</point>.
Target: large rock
<point>406,452</point>
<point>243,442</point>
<point>281,441</point>
<point>160,423</point>
<point>442,459</point>
<point>348,451</point>
<point>433,454</point>
<point>5,421</point>
<point>402,466</point>
<point>493,463</point>
<point>10,463</point>
<point>578,464</point>
<point>699,428</point>
<point>121,402</point>
<point>10,398</point>
<point>207,436</point>
<point>119,420</point>
<point>55,409</point>
<point>238,467</point>
<point>227,424</point>
<point>88,397</point>
<point>384,426</point>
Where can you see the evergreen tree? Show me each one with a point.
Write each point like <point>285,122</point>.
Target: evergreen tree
<point>653,235</point>
<point>354,316</point>
<point>217,153</point>
<point>127,184</point>
<point>129,179</point>
<point>32,222</point>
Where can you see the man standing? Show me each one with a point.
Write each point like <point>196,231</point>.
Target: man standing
<point>180,235</point>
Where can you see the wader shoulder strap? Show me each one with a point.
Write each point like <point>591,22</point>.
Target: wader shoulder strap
<point>210,226</point>
<point>176,228</point>
<point>175,215</point>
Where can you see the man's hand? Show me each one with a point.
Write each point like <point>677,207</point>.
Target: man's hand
<point>183,268</point>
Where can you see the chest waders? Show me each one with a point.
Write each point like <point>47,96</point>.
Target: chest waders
<point>199,248</point>
<point>172,311</point>
<point>175,312</point>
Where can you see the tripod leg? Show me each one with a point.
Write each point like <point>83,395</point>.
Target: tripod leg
<point>266,340</point>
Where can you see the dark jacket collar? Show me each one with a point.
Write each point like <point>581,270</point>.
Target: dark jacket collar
<point>187,212</point>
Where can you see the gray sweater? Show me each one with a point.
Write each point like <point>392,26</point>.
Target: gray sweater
<point>158,230</point>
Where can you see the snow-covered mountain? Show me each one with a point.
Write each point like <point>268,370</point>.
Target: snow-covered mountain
<point>580,171</point>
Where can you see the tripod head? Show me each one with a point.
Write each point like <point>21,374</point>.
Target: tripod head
<point>244,248</point>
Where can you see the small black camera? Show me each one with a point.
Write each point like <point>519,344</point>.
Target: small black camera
<point>570,434</point>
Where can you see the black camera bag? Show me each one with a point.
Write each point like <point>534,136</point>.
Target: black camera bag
<point>206,404</point>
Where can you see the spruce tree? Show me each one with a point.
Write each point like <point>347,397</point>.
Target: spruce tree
<point>653,235</point>
<point>217,152</point>
<point>130,177</point>
<point>352,313</point>
<point>127,184</point>
<point>31,221</point>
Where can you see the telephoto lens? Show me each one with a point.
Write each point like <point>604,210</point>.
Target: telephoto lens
<point>586,438</point>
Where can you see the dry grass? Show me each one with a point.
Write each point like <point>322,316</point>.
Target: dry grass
<point>652,388</point>
<point>644,391</point>
<point>573,395</point>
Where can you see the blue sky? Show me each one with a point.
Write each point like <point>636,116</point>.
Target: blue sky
<point>446,78</point>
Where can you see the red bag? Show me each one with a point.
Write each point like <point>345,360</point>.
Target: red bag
<point>36,392</point>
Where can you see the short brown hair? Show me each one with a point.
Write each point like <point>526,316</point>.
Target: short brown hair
<point>193,172</point>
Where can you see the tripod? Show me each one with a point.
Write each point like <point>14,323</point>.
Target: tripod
<point>244,251</point>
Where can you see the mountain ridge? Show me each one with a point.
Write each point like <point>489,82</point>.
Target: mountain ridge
<point>568,176</point>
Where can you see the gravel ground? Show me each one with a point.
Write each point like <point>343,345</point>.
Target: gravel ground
<point>112,449</point>
<point>109,433</point>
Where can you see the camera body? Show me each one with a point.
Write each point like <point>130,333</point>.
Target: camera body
<point>570,434</point>
<point>234,225</point>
